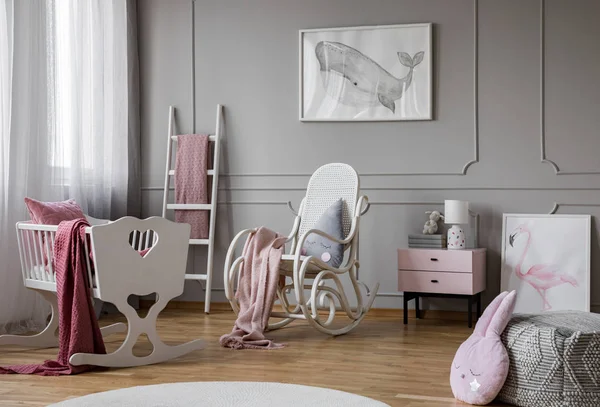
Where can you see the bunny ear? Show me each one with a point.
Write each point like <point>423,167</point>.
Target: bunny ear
<point>482,324</point>
<point>502,315</point>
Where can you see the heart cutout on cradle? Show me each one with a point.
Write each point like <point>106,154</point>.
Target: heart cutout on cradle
<point>143,242</point>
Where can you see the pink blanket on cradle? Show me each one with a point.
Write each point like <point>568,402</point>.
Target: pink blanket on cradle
<point>78,330</point>
<point>256,291</point>
<point>191,183</point>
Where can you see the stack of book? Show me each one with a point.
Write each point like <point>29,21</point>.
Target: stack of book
<point>427,241</point>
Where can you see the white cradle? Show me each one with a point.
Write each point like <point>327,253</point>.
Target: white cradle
<point>328,184</point>
<point>115,271</point>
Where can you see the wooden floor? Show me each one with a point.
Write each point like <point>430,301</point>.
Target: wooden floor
<point>382,359</point>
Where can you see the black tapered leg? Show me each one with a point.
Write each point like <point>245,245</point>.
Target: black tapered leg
<point>478,306</point>
<point>417,307</point>
<point>470,311</point>
<point>406,297</point>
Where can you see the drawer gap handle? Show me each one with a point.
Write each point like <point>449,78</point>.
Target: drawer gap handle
<point>433,259</point>
<point>434,281</point>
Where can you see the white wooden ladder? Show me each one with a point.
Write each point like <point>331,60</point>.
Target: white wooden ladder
<point>215,139</point>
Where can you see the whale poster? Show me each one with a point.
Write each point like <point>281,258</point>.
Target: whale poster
<point>376,73</point>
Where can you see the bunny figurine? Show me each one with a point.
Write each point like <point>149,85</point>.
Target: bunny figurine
<point>480,366</point>
<point>431,225</point>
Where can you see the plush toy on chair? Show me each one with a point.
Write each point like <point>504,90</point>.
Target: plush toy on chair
<point>480,366</point>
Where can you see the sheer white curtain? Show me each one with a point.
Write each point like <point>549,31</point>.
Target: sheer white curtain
<point>69,122</point>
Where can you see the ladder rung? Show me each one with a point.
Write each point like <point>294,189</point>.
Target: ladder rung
<point>190,207</point>
<point>211,137</point>
<point>199,241</point>
<point>195,276</point>
<point>209,172</point>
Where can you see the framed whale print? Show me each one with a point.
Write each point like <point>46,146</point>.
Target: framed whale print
<point>546,259</point>
<point>374,73</point>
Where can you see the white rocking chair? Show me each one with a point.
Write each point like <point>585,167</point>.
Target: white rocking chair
<point>327,185</point>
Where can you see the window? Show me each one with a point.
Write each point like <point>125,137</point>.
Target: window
<point>70,94</point>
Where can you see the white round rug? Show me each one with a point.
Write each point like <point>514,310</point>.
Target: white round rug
<point>222,394</point>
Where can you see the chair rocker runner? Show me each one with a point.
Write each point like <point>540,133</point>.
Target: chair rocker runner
<point>327,185</point>
<point>118,271</point>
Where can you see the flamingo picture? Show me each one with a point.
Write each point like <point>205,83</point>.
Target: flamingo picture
<point>541,277</point>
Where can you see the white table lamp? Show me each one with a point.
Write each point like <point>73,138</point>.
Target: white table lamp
<point>456,213</point>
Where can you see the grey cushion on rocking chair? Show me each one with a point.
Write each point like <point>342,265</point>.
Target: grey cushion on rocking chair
<point>331,222</point>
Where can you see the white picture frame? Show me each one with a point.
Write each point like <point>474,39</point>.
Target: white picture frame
<point>369,73</point>
<point>547,259</point>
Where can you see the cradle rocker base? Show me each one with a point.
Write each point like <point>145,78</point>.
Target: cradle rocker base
<point>123,357</point>
<point>48,338</point>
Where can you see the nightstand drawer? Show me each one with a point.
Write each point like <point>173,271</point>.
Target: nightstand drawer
<point>459,261</point>
<point>437,282</point>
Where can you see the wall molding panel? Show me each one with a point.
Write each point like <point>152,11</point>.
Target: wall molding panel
<point>543,157</point>
<point>465,167</point>
<point>489,117</point>
<point>580,205</point>
<point>487,188</point>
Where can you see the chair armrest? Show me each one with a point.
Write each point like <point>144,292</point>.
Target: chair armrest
<point>317,261</point>
<point>326,235</point>
<point>294,230</point>
<point>296,212</point>
<point>227,267</point>
<point>345,241</point>
<point>351,235</point>
<point>237,238</point>
<point>353,228</point>
<point>289,204</point>
<point>363,200</point>
<point>241,234</point>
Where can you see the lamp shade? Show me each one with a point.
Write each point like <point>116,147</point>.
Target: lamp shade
<point>456,212</point>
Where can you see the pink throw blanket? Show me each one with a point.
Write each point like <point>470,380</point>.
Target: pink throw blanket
<point>256,291</point>
<point>191,183</point>
<point>78,329</point>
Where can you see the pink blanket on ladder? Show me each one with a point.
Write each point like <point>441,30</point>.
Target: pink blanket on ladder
<point>191,183</point>
<point>78,330</point>
<point>256,291</point>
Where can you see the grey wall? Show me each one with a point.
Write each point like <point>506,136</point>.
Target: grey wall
<point>497,119</point>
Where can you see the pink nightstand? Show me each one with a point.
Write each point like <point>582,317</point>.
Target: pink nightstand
<point>441,273</point>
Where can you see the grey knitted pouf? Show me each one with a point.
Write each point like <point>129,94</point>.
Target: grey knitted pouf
<point>554,360</point>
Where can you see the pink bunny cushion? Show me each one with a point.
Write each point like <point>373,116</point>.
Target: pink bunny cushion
<point>480,366</point>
